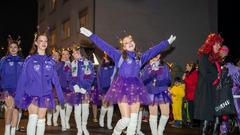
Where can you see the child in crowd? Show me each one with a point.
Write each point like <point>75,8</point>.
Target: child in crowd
<point>178,92</point>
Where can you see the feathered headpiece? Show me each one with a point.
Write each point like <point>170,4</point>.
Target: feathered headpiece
<point>122,35</point>
<point>38,33</point>
<point>11,40</point>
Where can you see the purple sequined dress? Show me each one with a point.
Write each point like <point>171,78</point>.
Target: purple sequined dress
<point>127,86</point>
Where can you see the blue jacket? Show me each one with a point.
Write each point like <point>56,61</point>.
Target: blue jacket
<point>64,74</point>
<point>156,81</point>
<point>104,75</point>
<point>84,79</point>
<point>10,70</point>
<point>131,66</point>
<point>38,77</point>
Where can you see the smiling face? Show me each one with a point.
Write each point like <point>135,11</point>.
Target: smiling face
<point>56,56</point>
<point>41,43</point>
<point>76,54</point>
<point>65,55</point>
<point>128,44</point>
<point>13,49</point>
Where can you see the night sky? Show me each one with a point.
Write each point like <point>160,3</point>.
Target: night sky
<point>19,17</point>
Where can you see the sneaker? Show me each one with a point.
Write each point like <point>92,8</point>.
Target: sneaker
<point>177,124</point>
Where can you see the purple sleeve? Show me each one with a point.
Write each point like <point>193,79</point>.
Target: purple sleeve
<point>150,53</point>
<point>101,44</point>
<point>22,82</point>
<point>55,81</point>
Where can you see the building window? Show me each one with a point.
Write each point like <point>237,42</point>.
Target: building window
<point>53,37</point>
<point>53,4</point>
<point>83,17</point>
<point>66,29</point>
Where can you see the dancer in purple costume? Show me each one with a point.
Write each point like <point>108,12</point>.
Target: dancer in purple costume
<point>95,98</point>
<point>65,76</point>
<point>104,74</point>
<point>127,90</point>
<point>54,113</point>
<point>34,89</point>
<point>10,70</point>
<point>82,79</point>
<point>156,77</point>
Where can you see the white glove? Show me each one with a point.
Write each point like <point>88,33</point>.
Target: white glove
<point>83,91</point>
<point>76,88</point>
<point>85,32</point>
<point>171,39</point>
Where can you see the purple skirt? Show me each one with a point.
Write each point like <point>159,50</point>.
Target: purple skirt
<point>46,101</point>
<point>70,97</point>
<point>95,96</point>
<point>129,90</point>
<point>5,94</point>
<point>78,98</point>
<point>160,98</point>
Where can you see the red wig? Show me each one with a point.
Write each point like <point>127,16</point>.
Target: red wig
<point>207,47</point>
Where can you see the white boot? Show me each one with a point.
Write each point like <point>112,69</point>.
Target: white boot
<point>13,131</point>
<point>63,119</point>
<point>101,117</point>
<point>139,123</point>
<point>85,114</point>
<point>68,114</point>
<point>32,124</point>
<point>55,115</point>
<point>162,124</point>
<point>131,129</point>
<point>49,117</point>
<point>109,117</point>
<point>153,124</point>
<point>19,118</point>
<point>7,129</point>
<point>40,127</point>
<point>121,124</point>
<point>77,113</point>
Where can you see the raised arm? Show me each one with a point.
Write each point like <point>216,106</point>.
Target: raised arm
<point>146,56</point>
<point>101,44</point>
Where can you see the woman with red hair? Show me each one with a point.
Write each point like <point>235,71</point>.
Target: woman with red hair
<point>209,57</point>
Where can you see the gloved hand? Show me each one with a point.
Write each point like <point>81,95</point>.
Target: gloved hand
<point>171,39</point>
<point>85,32</point>
<point>76,88</point>
<point>83,91</point>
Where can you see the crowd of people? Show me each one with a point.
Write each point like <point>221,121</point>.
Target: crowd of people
<point>52,83</point>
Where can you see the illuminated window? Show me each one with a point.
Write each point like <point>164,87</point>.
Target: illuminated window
<point>66,29</point>
<point>83,17</point>
<point>53,4</point>
<point>53,37</point>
